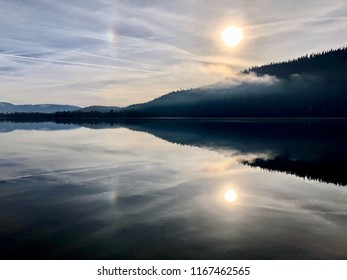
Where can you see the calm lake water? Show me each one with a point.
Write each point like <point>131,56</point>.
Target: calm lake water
<point>174,190</point>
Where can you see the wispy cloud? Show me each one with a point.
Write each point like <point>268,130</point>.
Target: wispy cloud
<point>27,57</point>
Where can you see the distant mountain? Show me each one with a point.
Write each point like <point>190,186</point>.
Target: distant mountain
<point>40,108</point>
<point>100,108</point>
<point>310,86</point>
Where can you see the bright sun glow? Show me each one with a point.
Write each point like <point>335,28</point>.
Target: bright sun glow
<point>230,195</point>
<point>232,36</point>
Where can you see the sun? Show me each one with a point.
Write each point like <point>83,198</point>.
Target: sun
<point>232,36</point>
<point>230,195</point>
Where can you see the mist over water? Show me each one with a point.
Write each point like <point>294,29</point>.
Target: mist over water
<point>173,190</point>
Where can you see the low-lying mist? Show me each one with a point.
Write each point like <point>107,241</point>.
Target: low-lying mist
<point>250,95</point>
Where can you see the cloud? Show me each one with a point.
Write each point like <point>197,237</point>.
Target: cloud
<point>323,25</point>
<point>33,58</point>
<point>252,78</point>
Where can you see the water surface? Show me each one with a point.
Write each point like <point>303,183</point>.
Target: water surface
<point>161,190</point>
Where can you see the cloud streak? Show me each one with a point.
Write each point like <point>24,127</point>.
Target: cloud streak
<point>75,63</point>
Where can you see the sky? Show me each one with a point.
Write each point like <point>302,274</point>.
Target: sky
<point>121,52</point>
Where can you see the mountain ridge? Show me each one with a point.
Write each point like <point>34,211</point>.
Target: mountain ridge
<point>6,107</point>
<point>310,86</point>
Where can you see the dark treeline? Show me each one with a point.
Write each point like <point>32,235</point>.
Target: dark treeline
<point>27,117</point>
<point>81,117</point>
<point>76,117</point>
<point>327,61</point>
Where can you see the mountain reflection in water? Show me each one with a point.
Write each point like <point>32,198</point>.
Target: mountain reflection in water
<point>313,149</point>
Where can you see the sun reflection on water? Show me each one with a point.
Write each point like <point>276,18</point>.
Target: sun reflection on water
<point>230,196</point>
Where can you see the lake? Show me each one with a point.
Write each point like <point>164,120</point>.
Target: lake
<point>174,189</point>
